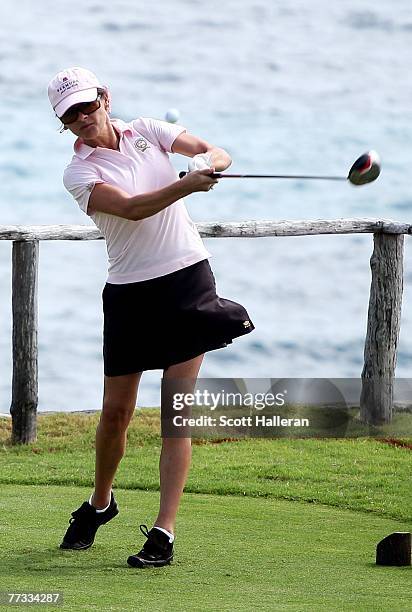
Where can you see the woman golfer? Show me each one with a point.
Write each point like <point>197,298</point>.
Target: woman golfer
<point>161,310</point>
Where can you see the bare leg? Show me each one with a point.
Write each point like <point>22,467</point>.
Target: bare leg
<point>119,403</point>
<point>176,454</point>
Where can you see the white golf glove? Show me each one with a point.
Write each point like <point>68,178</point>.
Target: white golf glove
<point>201,161</point>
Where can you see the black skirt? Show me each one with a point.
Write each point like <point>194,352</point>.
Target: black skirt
<point>152,324</point>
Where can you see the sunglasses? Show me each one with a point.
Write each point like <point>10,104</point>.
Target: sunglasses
<point>86,108</point>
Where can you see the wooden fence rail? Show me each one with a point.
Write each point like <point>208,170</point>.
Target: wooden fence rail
<point>384,315</point>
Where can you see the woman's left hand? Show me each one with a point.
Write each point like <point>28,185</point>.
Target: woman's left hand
<point>201,161</point>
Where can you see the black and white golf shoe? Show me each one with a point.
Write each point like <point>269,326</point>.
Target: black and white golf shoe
<point>84,523</point>
<point>156,552</point>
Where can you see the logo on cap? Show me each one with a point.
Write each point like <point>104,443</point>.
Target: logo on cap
<point>67,85</point>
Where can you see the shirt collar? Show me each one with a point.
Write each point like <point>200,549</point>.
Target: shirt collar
<point>83,150</point>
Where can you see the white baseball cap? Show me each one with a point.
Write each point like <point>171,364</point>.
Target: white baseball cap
<point>72,86</point>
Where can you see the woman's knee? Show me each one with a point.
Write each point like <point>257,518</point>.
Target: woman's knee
<point>116,416</point>
<point>119,400</point>
<point>176,443</point>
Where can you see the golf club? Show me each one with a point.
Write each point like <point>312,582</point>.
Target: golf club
<point>365,170</point>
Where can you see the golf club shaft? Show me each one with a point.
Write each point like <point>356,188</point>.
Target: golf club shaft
<point>218,175</point>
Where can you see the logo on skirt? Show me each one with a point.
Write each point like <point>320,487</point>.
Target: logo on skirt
<point>246,323</point>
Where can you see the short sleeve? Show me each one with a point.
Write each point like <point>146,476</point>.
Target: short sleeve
<point>79,180</point>
<point>160,133</point>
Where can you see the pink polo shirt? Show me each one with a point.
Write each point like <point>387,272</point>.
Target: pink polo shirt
<point>157,245</point>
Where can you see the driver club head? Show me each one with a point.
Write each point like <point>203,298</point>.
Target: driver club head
<point>366,169</point>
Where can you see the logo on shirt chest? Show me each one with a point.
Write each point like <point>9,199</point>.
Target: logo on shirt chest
<point>141,144</point>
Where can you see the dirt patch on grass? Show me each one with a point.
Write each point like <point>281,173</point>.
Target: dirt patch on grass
<point>396,442</point>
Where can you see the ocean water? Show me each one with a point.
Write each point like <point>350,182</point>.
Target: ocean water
<point>285,87</point>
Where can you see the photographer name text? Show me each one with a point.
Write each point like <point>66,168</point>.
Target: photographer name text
<point>244,421</point>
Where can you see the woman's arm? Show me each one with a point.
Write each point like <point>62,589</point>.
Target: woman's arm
<point>114,201</point>
<point>189,145</point>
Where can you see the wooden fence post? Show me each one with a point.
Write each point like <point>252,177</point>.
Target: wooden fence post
<point>384,316</point>
<point>25,371</point>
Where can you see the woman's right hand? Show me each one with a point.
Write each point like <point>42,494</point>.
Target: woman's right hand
<point>199,180</point>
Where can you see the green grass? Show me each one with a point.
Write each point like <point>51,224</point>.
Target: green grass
<point>232,553</point>
<point>270,524</point>
<point>358,474</point>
